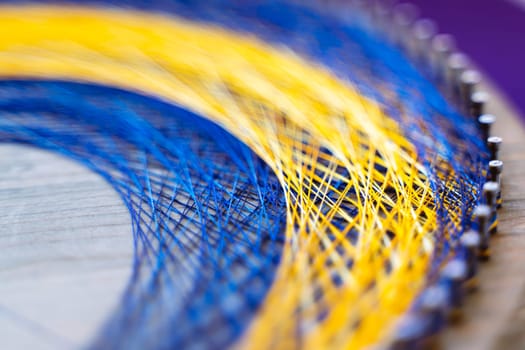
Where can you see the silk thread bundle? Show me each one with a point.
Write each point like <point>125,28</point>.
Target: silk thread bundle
<point>366,179</point>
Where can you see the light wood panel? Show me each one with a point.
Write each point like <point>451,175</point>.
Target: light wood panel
<point>66,237</point>
<point>65,250</point>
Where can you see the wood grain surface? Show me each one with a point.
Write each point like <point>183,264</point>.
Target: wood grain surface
<point>66,252</point>
<point>494,316</point>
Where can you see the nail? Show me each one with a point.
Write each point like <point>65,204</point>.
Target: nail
<point>485,123</point>
<point>423,32</point>
<point>482,214</point>
<point>405,15</point>
<point>495,170</point>
<point>409,333</point>
<point>470,242</point>
<point>490,193</point>
<point>494,145</point>
<point>442,47</point>
<point>468,81</point>
<point>433,302</point>
<point>381,17</point>
<point>456,64</point>
<point>478,102</point>
<point>454,274</point>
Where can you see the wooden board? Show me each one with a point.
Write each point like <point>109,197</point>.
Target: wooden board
<point>66,237</point>
<point>495,315</point>
<point>66,250</point>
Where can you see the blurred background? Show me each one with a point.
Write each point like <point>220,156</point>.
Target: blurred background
<point>492,33</point>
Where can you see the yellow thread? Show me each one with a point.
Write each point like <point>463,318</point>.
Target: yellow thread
<point>306,124</point>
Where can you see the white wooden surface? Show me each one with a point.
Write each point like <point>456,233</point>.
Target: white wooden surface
<point>65,250</point>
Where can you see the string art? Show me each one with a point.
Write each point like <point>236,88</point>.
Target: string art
<point>294,178</point>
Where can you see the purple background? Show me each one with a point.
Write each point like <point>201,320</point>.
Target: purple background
<point>492,33</point>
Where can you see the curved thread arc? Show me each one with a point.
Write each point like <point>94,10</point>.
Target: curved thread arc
<point>207,215</point>
<point>337,159</point>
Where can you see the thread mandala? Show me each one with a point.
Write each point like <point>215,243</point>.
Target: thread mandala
<point>294,179</point>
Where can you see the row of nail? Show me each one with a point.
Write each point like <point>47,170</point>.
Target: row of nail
<point>436,55</point>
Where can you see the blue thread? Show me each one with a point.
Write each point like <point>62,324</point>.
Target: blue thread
<point>193,191</point>
<point>444,139</point>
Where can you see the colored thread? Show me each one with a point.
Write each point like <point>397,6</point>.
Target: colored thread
<point>208,215</point>
<point>374,201</point>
